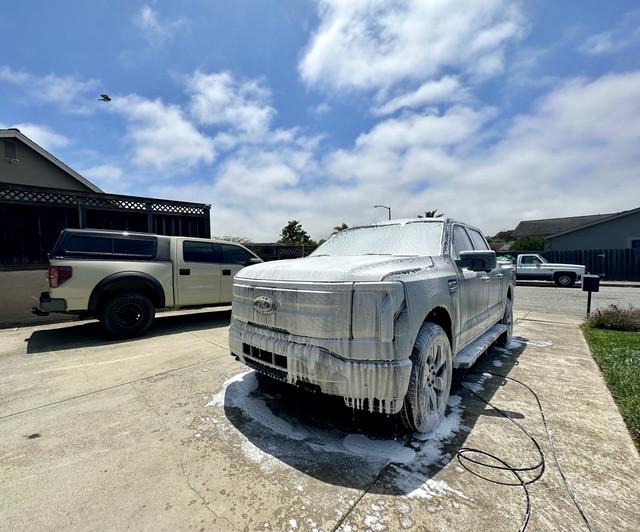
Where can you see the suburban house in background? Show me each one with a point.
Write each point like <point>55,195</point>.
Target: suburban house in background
<point>550,226</point>
<point>40,196</point>
<point>607,231</point>
<point>608,244</point>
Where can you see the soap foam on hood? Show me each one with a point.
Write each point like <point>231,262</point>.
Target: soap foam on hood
<point>332,269</point>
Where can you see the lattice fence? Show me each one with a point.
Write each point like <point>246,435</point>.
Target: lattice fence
<point>36,195</point>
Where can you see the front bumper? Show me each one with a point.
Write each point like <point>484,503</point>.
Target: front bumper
<point>377,386</point>
<point>46,305</point>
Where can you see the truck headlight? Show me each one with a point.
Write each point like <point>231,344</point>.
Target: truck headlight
<point>375,308</point>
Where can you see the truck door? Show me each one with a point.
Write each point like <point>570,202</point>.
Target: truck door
<point>199,273</point>
<point>495,301</point>
<point>234,258</point>
<point>530,267</point>
<point>473,291</point>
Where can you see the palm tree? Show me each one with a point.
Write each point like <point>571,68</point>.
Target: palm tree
<point>431,214</point>
<point>339,228</point>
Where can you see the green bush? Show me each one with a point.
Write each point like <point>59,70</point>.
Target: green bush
<point>616,318</point>
<point>529,243</point>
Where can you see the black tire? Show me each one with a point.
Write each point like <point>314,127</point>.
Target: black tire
<point>507,319</point>
<point>425,403</point>
<point>127,315</point>
<point>564,280</point>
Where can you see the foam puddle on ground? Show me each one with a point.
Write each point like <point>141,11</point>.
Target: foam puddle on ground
<point>408,461</point>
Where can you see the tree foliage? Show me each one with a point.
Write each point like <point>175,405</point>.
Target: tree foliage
<point>293,233</point>
<point>339,228</point>
<point>502,236</point>
<point>236,239</point>
<point>529,243</point>
<point>431,214</point>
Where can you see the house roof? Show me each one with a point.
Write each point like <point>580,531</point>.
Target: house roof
<point>606,218</point>
<point>553,226</point>
<point>16,134</point>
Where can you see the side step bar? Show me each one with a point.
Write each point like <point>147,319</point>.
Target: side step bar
<point>467,357</point>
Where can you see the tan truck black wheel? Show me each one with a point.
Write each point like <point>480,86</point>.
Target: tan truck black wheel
<point>127,315</point>
<point>430,382</point>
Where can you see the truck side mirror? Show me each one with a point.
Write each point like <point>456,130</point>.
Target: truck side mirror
<point>477,261</point>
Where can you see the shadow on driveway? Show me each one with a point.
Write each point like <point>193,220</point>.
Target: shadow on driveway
<point>319,436</point>
<point>91,334</point>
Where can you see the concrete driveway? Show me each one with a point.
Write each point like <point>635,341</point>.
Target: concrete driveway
<point>168,432</point>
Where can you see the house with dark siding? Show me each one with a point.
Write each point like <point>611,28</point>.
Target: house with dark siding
<point>40,196</point>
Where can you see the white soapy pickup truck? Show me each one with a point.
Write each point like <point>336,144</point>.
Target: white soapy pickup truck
<point>379,315</point>
<point>533,267</point>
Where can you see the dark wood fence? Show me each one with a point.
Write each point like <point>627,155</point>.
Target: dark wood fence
<point>611,264</point>
<point>269,252</point>
<point>31,218</point>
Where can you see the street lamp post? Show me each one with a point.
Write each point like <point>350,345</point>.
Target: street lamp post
<point>384,207</point>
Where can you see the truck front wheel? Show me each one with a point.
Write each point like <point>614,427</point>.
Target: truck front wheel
<point>430,382</point>
<point>565,280</point>
<point>127,315</point>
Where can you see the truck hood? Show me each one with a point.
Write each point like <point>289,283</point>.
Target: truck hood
<point>336,269</point>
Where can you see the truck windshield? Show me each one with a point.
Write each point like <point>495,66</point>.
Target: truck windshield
<point>422,238</point>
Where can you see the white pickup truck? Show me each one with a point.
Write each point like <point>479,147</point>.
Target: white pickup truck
<point>533,267</point>
<point>378,315</point>
<point>121,278</point>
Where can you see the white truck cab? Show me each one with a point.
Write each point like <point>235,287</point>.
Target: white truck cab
<point>533,267</point>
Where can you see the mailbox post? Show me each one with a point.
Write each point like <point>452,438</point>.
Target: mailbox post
<point>590,284</point>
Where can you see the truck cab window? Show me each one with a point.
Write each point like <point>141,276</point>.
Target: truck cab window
<point>198,252</point>
<point>235,254</point>
<point>134,247</point>
<point>88,245</point>
<point>461,241</point>
<point>531,260</point>
<point>478,240</point>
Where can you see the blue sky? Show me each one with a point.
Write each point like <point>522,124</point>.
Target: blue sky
<point>491,111</point>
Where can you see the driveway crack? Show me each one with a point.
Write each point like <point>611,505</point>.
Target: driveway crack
<point>179,453</point>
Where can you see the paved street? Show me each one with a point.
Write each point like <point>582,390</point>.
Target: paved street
<point>168,432</point>
<point>572,301</point>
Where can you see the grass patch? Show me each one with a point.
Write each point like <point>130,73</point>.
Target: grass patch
<point>618,355</point>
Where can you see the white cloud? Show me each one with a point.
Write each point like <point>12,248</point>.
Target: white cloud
<point>161,137</point>
<point>103,172</point>
<point>321,108</point>
<point>375,44</point>
<point>218,99</point>
<point>155,30</point>
<point>447,89</point>
<point>69,92</point>
<point>41,135</point>
<point>574,153</point>
<point>624,36</point>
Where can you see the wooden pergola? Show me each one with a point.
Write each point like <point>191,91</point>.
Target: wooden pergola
<point>31,218</point>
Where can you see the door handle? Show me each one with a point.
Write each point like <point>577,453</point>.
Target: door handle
<point>485,278</point>
<point>185,271</point>
<point>226,272</point>
<point>500,275</point>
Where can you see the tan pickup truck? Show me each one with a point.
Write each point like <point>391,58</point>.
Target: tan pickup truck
<point>121,278</point>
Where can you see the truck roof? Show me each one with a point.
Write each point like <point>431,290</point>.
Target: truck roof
<point>136,233</point>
